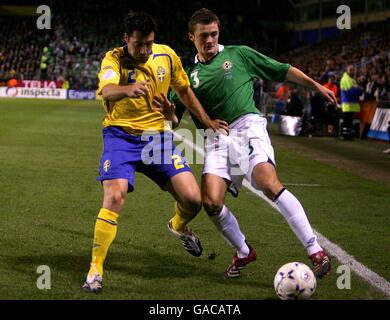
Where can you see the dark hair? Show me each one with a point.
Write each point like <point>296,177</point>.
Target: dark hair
<point>139,21</point>
<point>203,16</point>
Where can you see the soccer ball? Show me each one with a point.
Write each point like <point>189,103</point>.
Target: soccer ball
<point>294,280</point>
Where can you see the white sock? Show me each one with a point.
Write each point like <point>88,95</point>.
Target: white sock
<point>229,229</point>
<point>295,215</point>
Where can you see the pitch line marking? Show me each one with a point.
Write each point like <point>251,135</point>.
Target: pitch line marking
<point>333,249</point>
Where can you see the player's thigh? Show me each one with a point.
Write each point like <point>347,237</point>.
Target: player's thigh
<point>184,189</point>
<point>213,189</point>
<point>175,176</point>
<point>121,152</point>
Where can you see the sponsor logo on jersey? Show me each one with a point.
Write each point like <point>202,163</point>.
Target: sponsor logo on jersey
<point>161,73</point>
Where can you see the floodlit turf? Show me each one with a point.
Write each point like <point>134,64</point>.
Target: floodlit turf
<point>49,199</point>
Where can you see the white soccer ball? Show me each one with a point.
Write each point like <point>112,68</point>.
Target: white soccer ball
<point>295,280</point>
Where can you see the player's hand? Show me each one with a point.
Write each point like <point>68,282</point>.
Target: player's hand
<point>163,105</point>
<point>138,89</point>
<point>219,126</point>
<point>328,94</point>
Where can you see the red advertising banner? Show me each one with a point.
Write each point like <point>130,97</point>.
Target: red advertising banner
<point>44,84</point>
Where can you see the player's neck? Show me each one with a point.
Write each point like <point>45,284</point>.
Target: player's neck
<point>205,59</point>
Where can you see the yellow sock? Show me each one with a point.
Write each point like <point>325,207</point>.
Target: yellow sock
<point>105,232</point>
<point>182,218</point>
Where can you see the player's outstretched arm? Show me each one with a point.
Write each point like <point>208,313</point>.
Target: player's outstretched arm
<point>297,76</point>
<point>114,92</point>
<point>188,98</point>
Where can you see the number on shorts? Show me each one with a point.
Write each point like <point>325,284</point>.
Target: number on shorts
<point>250,147</point>
<point>177,162</point>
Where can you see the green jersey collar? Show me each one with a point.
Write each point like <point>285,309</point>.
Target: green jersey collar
<point>220,48</point>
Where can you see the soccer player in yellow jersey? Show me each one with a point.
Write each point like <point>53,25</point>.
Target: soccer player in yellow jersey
<point>134,81</point>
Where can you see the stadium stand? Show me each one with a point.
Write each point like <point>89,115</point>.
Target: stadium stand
<point>84,30</point>
<point>367,48</point>
<point>20,49</point>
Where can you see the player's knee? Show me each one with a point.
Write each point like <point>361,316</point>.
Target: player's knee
<point>268,193</point>
<point>264,178</point>
<point>270,186</point>
<point>271,189</point>
<point>192,203</point>
<point>212,206</point>
<point>115,199</point>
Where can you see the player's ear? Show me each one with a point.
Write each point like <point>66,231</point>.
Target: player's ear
<point>191,37</point>
<point>126,37</point>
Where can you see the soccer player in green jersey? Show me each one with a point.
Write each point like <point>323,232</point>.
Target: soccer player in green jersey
<point>221,78</point>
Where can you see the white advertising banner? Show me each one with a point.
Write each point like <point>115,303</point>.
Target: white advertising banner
<point>380,126</point>
<point>290,126</point>
<point>34,93</point>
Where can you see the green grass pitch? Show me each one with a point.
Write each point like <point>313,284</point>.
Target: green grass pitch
<point>49,199</point>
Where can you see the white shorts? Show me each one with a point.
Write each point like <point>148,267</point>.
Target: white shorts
<point>234,157</point>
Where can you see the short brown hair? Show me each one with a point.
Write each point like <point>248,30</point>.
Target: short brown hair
<point>203,16</point>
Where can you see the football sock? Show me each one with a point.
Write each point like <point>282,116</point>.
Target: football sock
<point>295,215</point>
<point>181,218</point>
<point>229,228</point>
<point>105,232</point>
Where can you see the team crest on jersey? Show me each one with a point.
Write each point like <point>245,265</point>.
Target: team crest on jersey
<point>160,73</point>
<point>106,165</point>
<point>227,65</point>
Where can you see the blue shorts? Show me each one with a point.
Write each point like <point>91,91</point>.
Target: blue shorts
<point>154,155</point>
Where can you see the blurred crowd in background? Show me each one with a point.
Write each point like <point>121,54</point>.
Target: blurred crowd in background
<point>366,48</point>
<point>83,31</point>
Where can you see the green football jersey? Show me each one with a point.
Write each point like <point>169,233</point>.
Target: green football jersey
<point>224,85</point>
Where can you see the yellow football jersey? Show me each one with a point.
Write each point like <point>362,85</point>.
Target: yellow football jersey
<point>163,69</point>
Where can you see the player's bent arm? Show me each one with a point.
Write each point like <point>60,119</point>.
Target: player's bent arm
<point>188,98</point>
<point>114,92</point>
<point>297,76</point>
